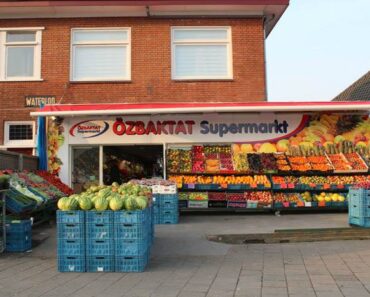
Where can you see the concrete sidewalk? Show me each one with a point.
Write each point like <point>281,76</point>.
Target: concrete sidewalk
<point>185,264</point>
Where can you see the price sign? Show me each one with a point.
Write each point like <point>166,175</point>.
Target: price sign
<point>191,186</point>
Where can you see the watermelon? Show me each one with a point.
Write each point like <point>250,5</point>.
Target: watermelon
<point>116,203</point>
<point>72,204</point>
<point>141,202</point>
<point>130,203</point>
<point>85,203</point>
<point>101,204</point>
<point>62,203</point>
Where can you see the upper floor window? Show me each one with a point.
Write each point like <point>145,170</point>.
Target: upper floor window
<point>101,54</point>
<point>20,54</point>
<point>19,134</point>
<point>201,53</point>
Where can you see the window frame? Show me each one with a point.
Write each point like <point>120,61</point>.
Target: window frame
<point>19,143</point>
<point>37,44</point>
<point>106,43</point>
<point>227,42</point>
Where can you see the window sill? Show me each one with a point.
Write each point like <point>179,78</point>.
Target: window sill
<point>7,146</point>
<point>100,81</point>
<point>202,79</point>
<point>21,80</point>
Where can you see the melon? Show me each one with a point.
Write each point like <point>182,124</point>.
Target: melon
<point>62,203</point>
<point>101,204</point>
<point>115,204</point>
<point>72,204</point>
<point>129,203</point>
<point>85,203</point>
<point>141,202</point>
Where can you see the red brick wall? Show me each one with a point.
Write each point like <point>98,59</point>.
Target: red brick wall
<point>151,66</point>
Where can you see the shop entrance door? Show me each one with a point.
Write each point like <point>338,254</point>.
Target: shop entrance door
<point>123,163</point>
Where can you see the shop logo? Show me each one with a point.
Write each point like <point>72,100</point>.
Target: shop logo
<point>89,129</point>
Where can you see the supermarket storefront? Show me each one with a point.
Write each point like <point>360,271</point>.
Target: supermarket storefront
<point>219,155</point>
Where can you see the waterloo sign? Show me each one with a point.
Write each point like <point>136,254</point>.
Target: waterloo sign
<point>186,128</point>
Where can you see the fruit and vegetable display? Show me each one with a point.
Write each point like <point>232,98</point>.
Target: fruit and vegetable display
<point>317,165</point>
<point>262,197</point>
<point>327,182</point>
<point>297,198</point>
<point>32,191</point>
<point>253,180</point>
<point>128,196</point>
<point>55,139</point>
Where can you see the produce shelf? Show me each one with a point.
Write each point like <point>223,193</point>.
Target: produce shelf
<point>312,190</point>
<point>218,209</point>
<point>224,190</point>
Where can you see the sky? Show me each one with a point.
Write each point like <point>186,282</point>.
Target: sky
<point>318,49</point>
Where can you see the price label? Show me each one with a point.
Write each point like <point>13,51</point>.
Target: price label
<point>340,186</point>
<point>290,186</point>
<point>253,186</point>
<point>326,186</point>
<point>321,203</point>
<point>224,186</point>
<point>283,186</point>
<point>286,204</point>
<point>191,186</point>
<point>312,185</point>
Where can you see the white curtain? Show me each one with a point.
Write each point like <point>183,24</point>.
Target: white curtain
<point>201,60</point>
<point>100,62</point>
<point>20,61</point>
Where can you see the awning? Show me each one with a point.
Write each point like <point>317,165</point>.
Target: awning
<point>177,108</point>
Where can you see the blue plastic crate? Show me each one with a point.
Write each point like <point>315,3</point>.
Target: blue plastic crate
<point>131,263</point>
<point>131,231</point>
<point>100,264</point>
<point>99,230</point>
<point>18,226</point>
<point>155,198</point>
<point>22,244</point>
<point>173,212</point>
<point>70,230</point>
<point>131,247</point>
<point>359,203</point>
<point>71,217</point>
<point>71,247</point>
<point>169,218</point>
<point>361,193</point>
<point>100,247</point>
<point>14,206</point>
<point>156,218</point>
<point>359,221</point>
<point>132,217</point>
<point>71,263</point>
<point>167,198</point>
<point>170,206</point>
<point>100,217</point>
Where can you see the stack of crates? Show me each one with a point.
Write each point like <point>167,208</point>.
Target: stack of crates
<point>18,236</point>
<point>359,207</point>
<point>100,241</point>
<point>133,233</point>
<point>104,241</point>
<point>71,241</point>
<point>168,209</point>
